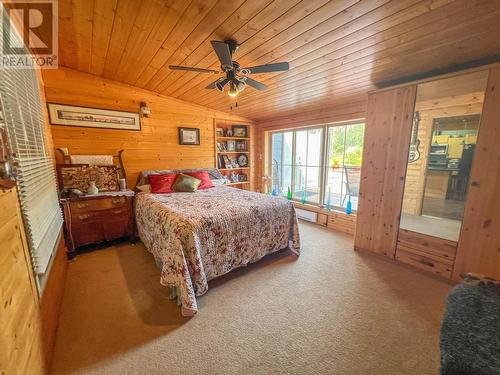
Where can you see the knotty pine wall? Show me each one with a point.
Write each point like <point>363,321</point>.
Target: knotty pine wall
<point>156,146</point>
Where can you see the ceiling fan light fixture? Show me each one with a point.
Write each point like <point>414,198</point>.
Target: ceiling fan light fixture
<point>237,77</point>
<point>240,86</point>
<point>219,86</point>
<point>233,90</point>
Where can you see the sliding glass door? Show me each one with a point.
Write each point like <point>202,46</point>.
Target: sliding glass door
<point>318,165</point>
<point>343,165</point>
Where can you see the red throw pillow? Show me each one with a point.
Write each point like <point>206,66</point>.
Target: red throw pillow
<point>206,182</point>
<point>162,183</point>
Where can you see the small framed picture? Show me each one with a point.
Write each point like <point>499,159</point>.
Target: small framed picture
<point>219,132</point>
<point>239,130</point>
<point>242,177</point>
<point>231,146</point>
<point>189,136</point>
<point>241,146</point>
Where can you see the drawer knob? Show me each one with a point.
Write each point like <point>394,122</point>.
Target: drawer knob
<point>84,216</point>
<point>82,205</point>
<point>117,200</point>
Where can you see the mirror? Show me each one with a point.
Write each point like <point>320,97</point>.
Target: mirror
<point>441,151</point>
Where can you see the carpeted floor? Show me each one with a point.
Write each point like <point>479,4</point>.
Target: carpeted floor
<point>331,311</point>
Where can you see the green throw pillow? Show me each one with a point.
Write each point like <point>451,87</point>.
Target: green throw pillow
<point>183,182</point>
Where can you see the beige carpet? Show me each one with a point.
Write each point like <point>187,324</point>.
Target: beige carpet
<point>331,311</point>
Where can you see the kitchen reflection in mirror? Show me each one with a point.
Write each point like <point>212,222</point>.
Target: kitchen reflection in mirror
<point>441,153</point>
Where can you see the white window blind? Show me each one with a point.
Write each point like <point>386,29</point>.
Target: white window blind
<point>24,118</point>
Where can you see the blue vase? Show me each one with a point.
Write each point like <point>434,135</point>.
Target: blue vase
<point>329,200</point>
<point>348,208</point>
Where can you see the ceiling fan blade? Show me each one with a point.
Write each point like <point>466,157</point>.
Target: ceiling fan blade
<point>222,82</point>
<point>255,84</point>
<point>268,68</point>
<point>191,69</point>
<point>223,53</point>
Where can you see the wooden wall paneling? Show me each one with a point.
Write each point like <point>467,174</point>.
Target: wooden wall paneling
<point>479,244</point>
<point>341,222</point>
<point>330,113</point>
<point>51,302</point>
<point>156,146</point>
<point>387,135</point>
<point>54,283</point>
<point>20,336</point>
<point>335,220</point>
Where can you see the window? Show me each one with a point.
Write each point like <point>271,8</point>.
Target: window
<point>343,165</point>
<point>22,115</point>
<point>318,164</point>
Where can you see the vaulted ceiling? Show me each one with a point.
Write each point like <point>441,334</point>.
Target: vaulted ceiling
<point>337,50</point>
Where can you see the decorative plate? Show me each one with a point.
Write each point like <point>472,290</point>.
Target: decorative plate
<point>243,160</point>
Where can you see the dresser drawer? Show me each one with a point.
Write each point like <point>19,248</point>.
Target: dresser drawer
<point>97,204</point>
<point>423,243</point>
<point>424,263</point>
<point>103,215</point>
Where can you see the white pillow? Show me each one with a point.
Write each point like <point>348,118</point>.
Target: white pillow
<point>218,182</point>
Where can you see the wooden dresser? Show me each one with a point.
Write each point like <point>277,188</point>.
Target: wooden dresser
<point>94,219</point>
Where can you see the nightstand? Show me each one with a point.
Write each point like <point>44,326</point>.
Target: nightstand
<point>97,218</point>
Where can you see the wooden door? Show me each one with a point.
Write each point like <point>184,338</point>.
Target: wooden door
<point>20,333</point>
<point>387,137</point>
<point>479,244</point>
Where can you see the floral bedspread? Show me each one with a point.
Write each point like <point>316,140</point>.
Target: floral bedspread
<point>202,235</point>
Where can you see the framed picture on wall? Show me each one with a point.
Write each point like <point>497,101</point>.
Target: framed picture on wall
<point>70,115</point>
<point>189,136</point>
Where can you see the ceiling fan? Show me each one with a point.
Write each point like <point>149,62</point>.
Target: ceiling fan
<point>236,77</point>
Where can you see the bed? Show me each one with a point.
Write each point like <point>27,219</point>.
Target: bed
<point>196,237</point>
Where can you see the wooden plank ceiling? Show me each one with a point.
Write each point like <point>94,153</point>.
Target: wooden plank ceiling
<point>337,50</point>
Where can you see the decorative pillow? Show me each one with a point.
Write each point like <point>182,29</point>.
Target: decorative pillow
<point>186,183</point>
<point>219,182</point>
<point>143,176</point>
<point>144,188</point>
<point>162,183</point>
<point>206,182</point>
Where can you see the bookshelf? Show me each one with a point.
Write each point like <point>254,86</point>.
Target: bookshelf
<point>233,152</point>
